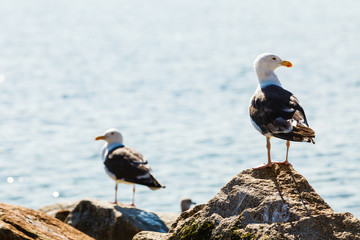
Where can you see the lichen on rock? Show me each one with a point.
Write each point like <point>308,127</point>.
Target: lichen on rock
<point>194,230</point>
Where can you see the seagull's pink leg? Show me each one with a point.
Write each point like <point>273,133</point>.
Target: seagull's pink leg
<point>133,198</point>
<point>286,162</point>
<point>116,188</point>
<point>269,163</point>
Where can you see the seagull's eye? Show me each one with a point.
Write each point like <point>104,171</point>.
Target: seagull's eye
<point>273,58</point>
<point>112,133</point>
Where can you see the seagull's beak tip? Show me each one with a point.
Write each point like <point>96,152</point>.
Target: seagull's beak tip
<point>286,64</point>
<point>99,138</point>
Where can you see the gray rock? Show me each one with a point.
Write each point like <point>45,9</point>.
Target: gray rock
<point>106,221</point>
<point>63,210</point>
<point>147,235</point>
<point>269,203</point>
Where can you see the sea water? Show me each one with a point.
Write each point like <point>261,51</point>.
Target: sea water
<point>176,78</point>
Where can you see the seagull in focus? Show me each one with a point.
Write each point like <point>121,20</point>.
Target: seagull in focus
<point>274,111</point>
<point>124,164</point>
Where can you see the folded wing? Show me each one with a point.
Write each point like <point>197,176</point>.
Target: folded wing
<point>128,165</point>
<point>277,112</point>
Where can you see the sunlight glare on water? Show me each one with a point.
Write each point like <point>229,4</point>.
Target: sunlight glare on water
<point>176,78</point>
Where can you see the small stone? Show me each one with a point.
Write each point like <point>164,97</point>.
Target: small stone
<point>148,235</point>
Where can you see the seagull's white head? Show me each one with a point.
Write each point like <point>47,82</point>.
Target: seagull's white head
<point>265,64</point>
<point>111,135</point>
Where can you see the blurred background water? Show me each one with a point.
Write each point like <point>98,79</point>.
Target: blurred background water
<point>176,78</point>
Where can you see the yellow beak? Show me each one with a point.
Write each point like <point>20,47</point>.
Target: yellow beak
<point>286,64</point>
<point>100,138</point>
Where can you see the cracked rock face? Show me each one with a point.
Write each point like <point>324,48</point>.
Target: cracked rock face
<point>269,203</point>
<point>20,223</point>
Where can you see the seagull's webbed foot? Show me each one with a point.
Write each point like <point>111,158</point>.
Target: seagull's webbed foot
<point>124,204</point>
<point>286,162</point>
<point>128,204</point>
<point>263,165</point>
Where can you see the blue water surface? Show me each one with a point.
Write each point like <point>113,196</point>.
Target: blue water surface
<point>176,78</point>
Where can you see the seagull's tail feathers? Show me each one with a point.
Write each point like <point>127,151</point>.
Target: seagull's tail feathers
<point>154,185</point>
<point>299,133</point>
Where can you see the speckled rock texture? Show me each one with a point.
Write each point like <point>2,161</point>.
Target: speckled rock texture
<point>270,203</point>
<point>20,223</point>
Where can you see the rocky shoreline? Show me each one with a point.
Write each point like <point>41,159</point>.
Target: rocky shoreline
<point>270,203</point>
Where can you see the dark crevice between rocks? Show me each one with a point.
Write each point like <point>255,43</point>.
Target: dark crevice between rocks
<point>21,229</point>
<point>62,215</point>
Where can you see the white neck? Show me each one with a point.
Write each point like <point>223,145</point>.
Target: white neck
<point>267,78</point>
<point>107,148</point>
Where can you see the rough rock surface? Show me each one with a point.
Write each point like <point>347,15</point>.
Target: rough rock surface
<point>23,223</point>
<point>106,221</point>
<point>269,203</point>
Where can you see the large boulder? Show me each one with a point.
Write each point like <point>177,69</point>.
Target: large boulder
<point>20,223</point>
<point>106,221</point>
<point>62,210</point>
<point>268,203</point>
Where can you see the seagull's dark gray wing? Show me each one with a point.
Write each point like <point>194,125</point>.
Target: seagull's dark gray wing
<point>130,166</point>
<point>277,112</point>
